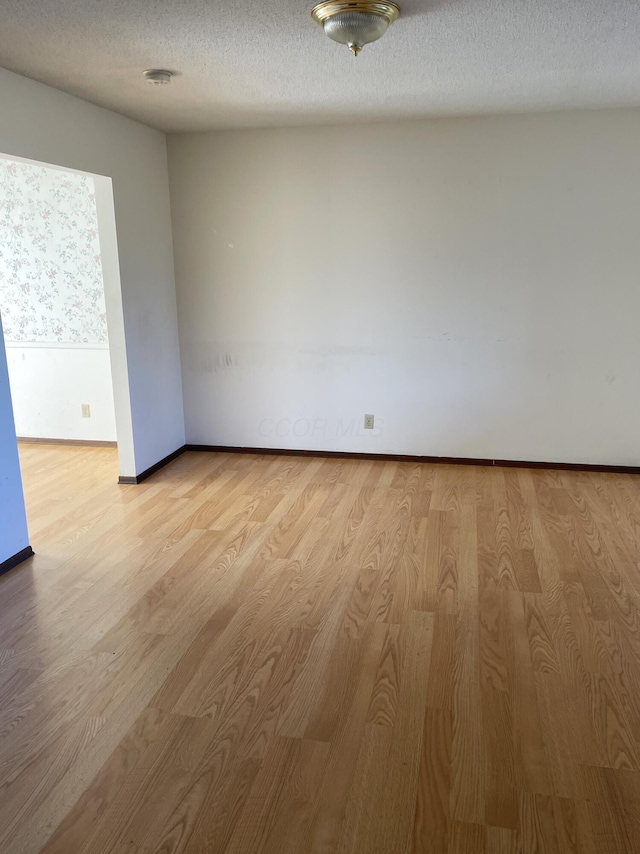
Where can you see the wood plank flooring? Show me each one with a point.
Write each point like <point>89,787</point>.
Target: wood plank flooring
<point>251,655</point>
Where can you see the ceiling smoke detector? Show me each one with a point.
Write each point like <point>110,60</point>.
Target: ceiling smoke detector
<point>157,76</point>
<point>355,24</point>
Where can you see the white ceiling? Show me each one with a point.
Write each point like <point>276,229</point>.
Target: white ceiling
<point>246,64</point>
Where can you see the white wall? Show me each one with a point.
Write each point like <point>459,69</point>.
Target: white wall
<point>473,283</point>
<point>13,523</point>
<point>49,126</point>
<point>49,386</point>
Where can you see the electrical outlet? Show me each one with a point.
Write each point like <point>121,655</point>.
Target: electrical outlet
<point>86,410</point>
<point>368,422</point>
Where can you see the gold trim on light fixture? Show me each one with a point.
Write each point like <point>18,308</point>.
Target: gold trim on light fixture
<point>355,23</point>
<point>322,11</point>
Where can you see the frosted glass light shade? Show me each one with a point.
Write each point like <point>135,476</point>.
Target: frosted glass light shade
<point>355,23</point>
<point>355,28</point>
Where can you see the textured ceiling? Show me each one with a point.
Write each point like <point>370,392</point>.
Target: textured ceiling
<point>245,64</point>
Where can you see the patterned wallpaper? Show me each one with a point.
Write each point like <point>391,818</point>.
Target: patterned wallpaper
<point>51,287</point>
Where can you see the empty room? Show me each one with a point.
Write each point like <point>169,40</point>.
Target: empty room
<point>320,427</point>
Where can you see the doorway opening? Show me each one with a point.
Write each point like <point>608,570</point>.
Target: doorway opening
<point>62,318</point>
<point>52,305</point>
<point>61,306</point>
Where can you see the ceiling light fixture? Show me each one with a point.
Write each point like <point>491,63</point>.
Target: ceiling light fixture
<point>157,76</point>
<point>355,24</point>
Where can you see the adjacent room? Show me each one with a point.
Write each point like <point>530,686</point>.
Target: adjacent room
<point>319,427</point>
<point>52,305</point>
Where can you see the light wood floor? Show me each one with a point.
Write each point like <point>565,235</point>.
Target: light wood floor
<point>272,654</point>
